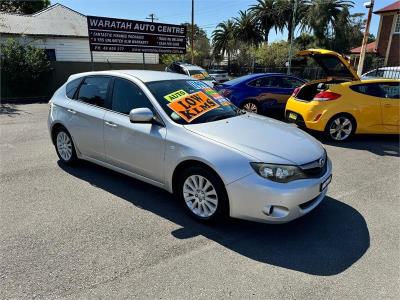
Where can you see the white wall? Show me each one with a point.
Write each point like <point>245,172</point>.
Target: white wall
<point>77,49</point>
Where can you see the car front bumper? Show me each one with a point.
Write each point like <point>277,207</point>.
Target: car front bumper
<point>258,199</point>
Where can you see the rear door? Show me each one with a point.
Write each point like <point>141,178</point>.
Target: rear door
<point>86,112</point>
<point>135,147</point>
<point>390,104</point>
<point>267,90</point>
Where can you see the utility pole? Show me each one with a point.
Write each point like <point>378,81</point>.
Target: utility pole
<point>291,36</point>
<point>192,35</point>
<point>369,5</point>
<point>151,17</point>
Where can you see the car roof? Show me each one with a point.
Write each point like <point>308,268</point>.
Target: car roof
<point>142,75</point>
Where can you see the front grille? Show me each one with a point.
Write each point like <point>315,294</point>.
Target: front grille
<point>313,169</point>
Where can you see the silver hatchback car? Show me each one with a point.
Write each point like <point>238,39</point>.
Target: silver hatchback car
<point>179,134</point>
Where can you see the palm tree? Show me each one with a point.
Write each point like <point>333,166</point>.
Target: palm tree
<point>268,14</point>
<point>223,39</point>
<point>246,30</point>
<point>287,9</point>
<point>322,16</point>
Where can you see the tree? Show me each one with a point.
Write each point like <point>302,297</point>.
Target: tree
<point>267,15</point>
<point>24,7</point>
<point>286,8</point>
<point>274,55</point>
<point>246,29</point>
<point>201,47</point>
<point>322,16</point>
<point>23,67</point>
<point>223,39</point>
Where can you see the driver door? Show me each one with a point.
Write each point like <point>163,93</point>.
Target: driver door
<point>136,147</point>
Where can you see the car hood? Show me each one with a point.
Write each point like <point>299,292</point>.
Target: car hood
<point>264,139</point>
<point>331,62</point>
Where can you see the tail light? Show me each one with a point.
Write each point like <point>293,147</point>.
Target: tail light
<point>296,91</point>
<point>326,96</point>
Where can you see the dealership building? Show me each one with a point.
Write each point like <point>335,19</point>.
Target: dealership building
<point>63,34</point>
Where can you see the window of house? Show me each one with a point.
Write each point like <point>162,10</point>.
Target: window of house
<point>50,54</point>
<point>397,27</point>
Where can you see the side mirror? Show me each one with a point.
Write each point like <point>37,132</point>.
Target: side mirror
<point>141,115</point>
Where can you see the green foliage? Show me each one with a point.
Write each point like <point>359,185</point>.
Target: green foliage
<point>274,55</point>
<point>201,48</point>
<point>23,68</point>
<point>224,39</point>
<point>25,7</point>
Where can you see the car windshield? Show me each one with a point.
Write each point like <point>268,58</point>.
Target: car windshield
<point>191,101</point>
<point>200,74</point>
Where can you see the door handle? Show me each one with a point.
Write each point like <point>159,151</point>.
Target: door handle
<point>388,105</point>
<point>111,124</point>
<point>71,111</point>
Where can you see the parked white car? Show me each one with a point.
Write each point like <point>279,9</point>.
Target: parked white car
<point>178,134</point>
<point>192,71</point>
<point>385,72</point>
<point>219,75</point>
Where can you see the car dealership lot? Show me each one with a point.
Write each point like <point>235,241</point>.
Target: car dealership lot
<point>90,232</point>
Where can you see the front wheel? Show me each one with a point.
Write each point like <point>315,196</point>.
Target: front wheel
<point>203,194</point>
<point>340,128</point>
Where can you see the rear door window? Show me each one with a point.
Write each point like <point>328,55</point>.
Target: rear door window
<point>371,89</point>
<point>94,90</point>
<point>127,96</point>
<point>264,82</point>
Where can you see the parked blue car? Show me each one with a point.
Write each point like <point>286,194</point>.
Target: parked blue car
<point>260,92</point>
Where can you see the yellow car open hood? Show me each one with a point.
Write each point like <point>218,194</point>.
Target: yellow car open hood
<point>333,64</point>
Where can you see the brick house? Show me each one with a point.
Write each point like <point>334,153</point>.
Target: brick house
<point>388,39</point>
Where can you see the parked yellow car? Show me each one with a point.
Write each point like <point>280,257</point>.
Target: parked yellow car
<point>342,105</point>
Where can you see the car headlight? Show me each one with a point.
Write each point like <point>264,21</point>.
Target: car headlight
<point>278,173</point>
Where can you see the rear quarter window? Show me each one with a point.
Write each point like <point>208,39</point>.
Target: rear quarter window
<point>71,87</point>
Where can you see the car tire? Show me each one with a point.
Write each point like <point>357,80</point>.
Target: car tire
<point>203,194</point>
<point>65,147</point>
<point>251,106</point>
<point>340,128</point>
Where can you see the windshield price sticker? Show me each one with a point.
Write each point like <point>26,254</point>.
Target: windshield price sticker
<point>198,76</point>
<point>175,95</point>
<point>193,106</point>
<point>213,93</point>
<point>198,85</point>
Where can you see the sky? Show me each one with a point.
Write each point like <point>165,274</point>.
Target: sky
<point>208,13</point>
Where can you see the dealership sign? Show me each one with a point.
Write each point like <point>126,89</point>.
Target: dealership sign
<point>118,35</point>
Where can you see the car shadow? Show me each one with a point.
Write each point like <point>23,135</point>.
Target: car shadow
<point>382,145</point>
<point>325,242</point>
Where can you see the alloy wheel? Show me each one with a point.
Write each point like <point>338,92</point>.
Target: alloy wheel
<point>341,128</point>
<point>64,146</point>
<point>251,107</point>
<point>200,196</point>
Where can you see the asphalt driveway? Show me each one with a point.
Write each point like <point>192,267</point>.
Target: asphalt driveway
<point>85,231</point>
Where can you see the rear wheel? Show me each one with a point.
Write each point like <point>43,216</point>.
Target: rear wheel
<point>203,194</point>
<point>65,146</point>
<point>341,128</point>
<point>251,106</point>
